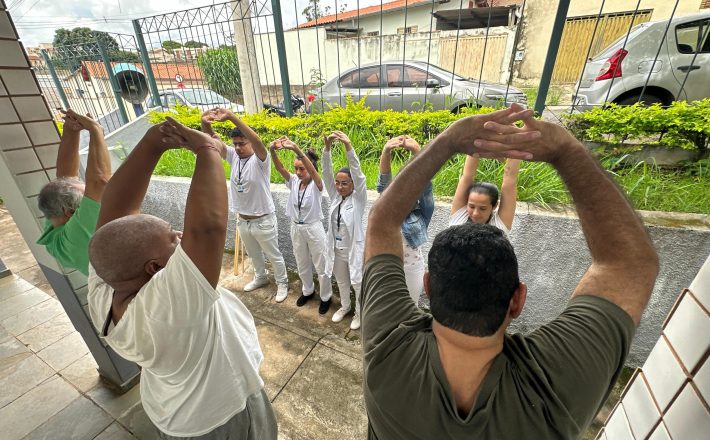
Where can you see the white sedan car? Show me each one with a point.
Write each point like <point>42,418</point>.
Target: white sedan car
<point>202,99</point>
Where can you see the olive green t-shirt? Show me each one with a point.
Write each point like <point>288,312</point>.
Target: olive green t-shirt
<point>69,243</point>
<point>545,385</point>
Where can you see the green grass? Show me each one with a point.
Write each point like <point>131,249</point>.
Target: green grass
<point>649,187</point>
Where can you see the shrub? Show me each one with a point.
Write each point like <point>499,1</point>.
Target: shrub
<point>682,124</point>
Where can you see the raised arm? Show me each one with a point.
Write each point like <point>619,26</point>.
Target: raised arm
<point>359,179</point>
<point>385,175</point>
<point>274,147</point>
<point>98,163</point>
<point>387,214</point>
<point>126,189</point>
<point>290,145</point>
<point>327,162</point>
<point>222,115</point>
<point>206,121</point>
<point>470,167</point>
<point>68,153</point>
<point>509,192</point>
<point>206,209</point>
<point>624,263</point>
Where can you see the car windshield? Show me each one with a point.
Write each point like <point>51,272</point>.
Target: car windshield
<point>203,97</point>
<point>436,70</point>
<point>613,47</point>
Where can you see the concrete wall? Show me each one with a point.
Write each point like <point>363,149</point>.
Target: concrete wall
<point>539,16</point>
<point>550,246</point>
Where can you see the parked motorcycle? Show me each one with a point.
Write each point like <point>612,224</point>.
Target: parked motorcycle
<point>297,103</point>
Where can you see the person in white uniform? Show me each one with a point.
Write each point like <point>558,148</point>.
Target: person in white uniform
<point>251,200</point>
<point>415,226</point>
<point>478,202</point>
<point>154,297</point>
<point>305,208</point>
<point>347,190</point>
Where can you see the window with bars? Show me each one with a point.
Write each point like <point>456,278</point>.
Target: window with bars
<point>407,30</point>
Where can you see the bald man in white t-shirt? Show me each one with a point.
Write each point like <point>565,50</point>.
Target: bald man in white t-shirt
<point>251,199</point>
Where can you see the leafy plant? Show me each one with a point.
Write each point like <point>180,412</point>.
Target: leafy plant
<point>682,124</point>
<point>221,69</point>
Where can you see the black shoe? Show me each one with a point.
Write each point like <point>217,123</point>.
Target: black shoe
<point>324,306</point>
<point>303,299</point>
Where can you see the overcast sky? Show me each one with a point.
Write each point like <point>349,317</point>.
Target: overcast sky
<point>36,20</point>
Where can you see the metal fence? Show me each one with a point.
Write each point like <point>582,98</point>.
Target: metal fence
<point>401,55</point>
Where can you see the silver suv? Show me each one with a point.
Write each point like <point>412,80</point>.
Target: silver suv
<point>408,85</point>
<point>619,72</point>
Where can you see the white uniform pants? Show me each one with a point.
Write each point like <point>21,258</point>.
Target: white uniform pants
<point>309,246</point>
<point>260,238</point>
<point>414,271</point>
<point>341,271</point>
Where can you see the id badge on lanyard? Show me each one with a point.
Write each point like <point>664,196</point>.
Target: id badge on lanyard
<point>240,186</point>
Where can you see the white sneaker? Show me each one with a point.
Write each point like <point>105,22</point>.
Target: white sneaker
<point>255,284</point>
<point>355,324</point>
<point>340,314</point>
<point>281,292</point>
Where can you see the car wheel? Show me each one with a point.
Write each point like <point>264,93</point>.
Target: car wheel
<point>648,100</point>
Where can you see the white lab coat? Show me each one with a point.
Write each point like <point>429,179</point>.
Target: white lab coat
<point>351,212</point>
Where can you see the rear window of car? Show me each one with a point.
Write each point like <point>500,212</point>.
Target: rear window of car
<point>619,42</point>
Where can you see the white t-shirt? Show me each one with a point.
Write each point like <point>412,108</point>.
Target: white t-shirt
<point>461,216</point>
<point>310,201</point>
<point>197,345</point>
<point>250,191</point>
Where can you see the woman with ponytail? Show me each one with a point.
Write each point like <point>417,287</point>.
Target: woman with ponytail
<point>304,207</point>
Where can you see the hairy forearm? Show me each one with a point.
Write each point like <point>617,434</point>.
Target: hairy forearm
<point>207,128</point>
<point>386,162</point>
<point>68,154</point>
<point>614,232</point>
<point>98,164</point>
<point>126,189</point>
<point>206,208</point>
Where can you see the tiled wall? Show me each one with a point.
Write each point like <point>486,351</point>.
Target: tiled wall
<point>668,397</point>
<point>28,142</point>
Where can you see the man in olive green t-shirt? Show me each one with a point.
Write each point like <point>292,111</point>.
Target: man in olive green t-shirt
<point>71,207</point>
<point>456,374</point>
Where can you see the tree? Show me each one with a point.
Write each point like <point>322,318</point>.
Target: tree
<point>171,45</point>
<point>313,10</point>
<point>192,44</point>
<point>71,47</point>
<point>221,70</point>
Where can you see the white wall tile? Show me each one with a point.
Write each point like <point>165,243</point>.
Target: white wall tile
<point>6,30</point>
<point>32,203</point>
<point>3,92</point>
<point>19,82</point>
<point>663,372</point>
<point>601,435</point>
<point>42,132</point>
<point>31,183</point>
<point>687,418</point>
<point>660,433</point>
<point>7,112</point>
<point>641,412</point>
<point>702,381</point>
<point>21,161</point>
<point>11,54</point>
<point>76,278</point>
<point>701,284</point>
<point>31,108</point>
<point>52,173</point>
<point>617,427</point>
<point>688,332</point>
<point>48,155</point>
<point>13,136</point>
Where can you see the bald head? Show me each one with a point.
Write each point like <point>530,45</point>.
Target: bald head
<point>131,249</point>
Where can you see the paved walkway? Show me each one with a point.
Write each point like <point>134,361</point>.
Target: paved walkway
<point>50,389</point>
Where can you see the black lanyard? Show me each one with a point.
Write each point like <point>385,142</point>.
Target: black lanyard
<point>339,217</point>
<point>239,168</point>
<point>300,198</point>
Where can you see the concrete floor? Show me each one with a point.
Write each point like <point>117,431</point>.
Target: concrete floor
<point>50,388</point>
